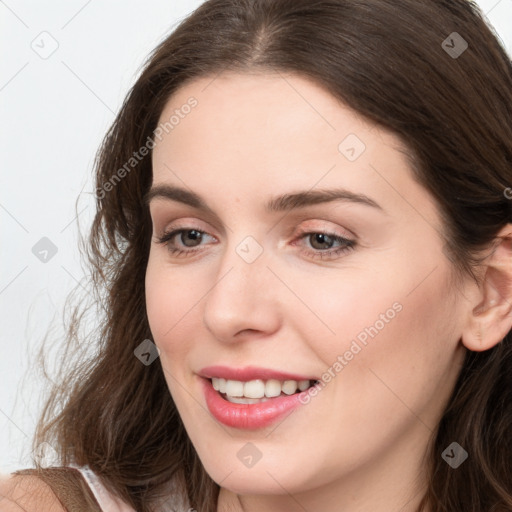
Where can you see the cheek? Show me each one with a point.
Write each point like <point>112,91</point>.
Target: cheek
<point>340,310</point>
<point>390,304</point>
<point>405,364</point>
<point>169,302</point>
<point>378,325</point>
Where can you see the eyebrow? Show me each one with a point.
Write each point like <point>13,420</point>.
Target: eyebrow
<point>282,203</point>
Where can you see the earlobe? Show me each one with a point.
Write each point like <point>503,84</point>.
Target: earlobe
<point>491,318</point>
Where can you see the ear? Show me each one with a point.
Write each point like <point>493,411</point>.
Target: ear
<point>491,318</point>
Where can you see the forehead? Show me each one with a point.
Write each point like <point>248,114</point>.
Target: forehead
<point>275,103</point>
<point>255,131</point>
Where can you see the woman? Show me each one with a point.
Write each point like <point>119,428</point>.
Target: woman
<point>304,236</point>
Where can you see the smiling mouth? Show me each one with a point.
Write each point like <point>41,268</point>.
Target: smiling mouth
<point>258,390</point>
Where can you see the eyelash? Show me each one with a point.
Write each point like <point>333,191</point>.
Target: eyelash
<point>347,246</point>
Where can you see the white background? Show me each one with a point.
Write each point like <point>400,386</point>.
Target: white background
<point>54,113</point>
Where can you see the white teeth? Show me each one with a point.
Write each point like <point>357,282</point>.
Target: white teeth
<point>254,389</point>
<point>303,385</point>
<point>289,387</point>
<point>258,389</point>
<point>272,388</point>
<point>219,385</point>
<point>234,388</point>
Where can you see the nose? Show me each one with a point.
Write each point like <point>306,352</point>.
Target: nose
<point>244,298</point>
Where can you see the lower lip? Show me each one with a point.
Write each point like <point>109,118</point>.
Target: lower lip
<point>249,416</point>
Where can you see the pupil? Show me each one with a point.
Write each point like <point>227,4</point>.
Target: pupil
<point>192,235</point>
<point>321,239</point>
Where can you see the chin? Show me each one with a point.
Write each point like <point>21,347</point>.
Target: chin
<point>264,479</point>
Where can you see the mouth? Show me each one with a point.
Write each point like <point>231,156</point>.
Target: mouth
<point>258,390</point>
<point>253,397</point>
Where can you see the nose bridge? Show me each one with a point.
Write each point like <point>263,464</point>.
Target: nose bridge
<point>241,298</point>
<point>243,265</point>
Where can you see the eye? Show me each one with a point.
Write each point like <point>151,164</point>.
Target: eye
<point>189,238</point>
<point>319,239</point>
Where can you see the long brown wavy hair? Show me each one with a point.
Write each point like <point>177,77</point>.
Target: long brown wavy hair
<point>389,61</point>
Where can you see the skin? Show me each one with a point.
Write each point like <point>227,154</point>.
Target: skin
<point>27,493</point>
<point>358,445</point>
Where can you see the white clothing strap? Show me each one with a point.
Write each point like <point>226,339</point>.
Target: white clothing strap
<point>107,502</point>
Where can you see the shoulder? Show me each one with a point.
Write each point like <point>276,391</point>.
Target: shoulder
<point>27,493</point>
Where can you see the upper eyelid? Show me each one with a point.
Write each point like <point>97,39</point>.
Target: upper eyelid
<point>214,220</point>
<point>221,228</point>
<point>191,222</point>
<point>194,220</point>
<point>302,232</point>
<point>181,223</point>
<point>190,225</point>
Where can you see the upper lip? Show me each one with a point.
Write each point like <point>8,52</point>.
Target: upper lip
<point>250,373</point>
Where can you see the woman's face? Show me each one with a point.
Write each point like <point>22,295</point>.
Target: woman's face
<point>261,286</point>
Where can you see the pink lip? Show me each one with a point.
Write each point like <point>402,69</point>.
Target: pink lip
<point>249,416</point>
<point>250,373</point>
